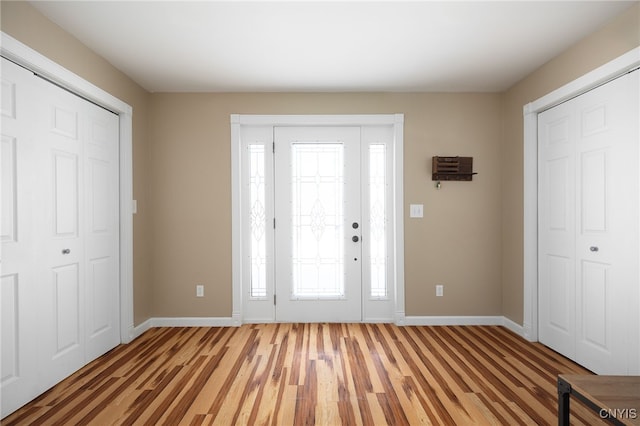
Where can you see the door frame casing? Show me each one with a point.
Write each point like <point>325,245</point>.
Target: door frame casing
<point>240,120</point>
<point>25,56</point>
<point>595,78</point>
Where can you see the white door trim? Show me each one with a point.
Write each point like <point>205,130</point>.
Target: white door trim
<point>600,75</point>
<point>23,55</point>
<point>239,120</point>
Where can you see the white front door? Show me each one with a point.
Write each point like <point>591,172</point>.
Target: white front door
<point>318,224</point>
<point>588,225</point>
<point>319,212</point>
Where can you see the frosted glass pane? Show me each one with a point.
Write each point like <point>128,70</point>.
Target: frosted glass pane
<point>258,218</point>
<point>378,220</point>
<point>317,184</point>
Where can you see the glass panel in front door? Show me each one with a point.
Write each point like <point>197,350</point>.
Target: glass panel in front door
<point>317,195</point>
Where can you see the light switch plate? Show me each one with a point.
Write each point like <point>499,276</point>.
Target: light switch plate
<point>416,210</point>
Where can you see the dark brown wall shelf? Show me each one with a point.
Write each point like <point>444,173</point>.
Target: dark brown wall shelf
<point>452,168</point>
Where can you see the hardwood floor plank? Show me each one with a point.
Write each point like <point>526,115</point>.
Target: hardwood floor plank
<point>306,374</point>
<point>262,383</point>
<point>496,414</point>
<point>437,389</point>
<point>232,365</point>
<point>277,404</point>
<point>194,388</point>
<point>298,334</point>
<point>412,354</point>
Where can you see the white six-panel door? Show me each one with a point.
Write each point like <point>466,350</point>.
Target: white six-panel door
<point>588,224</point>
<point>60,273</point>
<point>20,327</point>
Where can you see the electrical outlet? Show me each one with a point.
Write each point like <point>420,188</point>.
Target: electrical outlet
<point>439,290</point>
<point>199,290</point>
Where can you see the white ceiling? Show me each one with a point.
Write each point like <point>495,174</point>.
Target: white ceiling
<point>226,46</point>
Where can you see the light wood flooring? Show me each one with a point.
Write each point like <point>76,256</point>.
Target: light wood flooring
<point>305,374</point>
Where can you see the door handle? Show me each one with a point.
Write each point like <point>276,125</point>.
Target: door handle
<point>355,239</point>
<point>593,248</point>
<point>66,251</point>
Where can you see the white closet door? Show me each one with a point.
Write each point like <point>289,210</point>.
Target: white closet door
<point>607,227</point>
<point>556,215</point>
<point>102,231</point>
<point>18,377</point>
<point>66,307</point>
<point>588,229</point>
<point>60,224</point>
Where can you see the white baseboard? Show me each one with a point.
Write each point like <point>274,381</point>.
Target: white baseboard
<point>140,329</point>
<point>515,327</point>
<point>407,320</point>
<point>236,317</point>
<point>194,322</point>
<point>453,320</point>
<point>466,320</point>
<point>256,321</point>
<point>150,323</point>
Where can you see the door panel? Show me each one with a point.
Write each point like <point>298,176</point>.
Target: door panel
<point>99,279</point>
<point>318,233</point>
<point>557,229</point>
<point>65,194</point>
<point>594,192</point>
<point>64,121</point>
<point>61,270</point>
<point>9,189</point>
<point>66,309</point>
<point>98,184</point>
<point>10,329</point>
<point>595,292</point>
<point>607,231</point>
<point>558,181</point>
<point>101,236</point>
<point>560,271</point>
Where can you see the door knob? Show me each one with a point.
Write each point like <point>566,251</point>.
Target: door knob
<point>355,239</point>
<point>355,225</point>
<point>593,248</point>
<point>66,251</point>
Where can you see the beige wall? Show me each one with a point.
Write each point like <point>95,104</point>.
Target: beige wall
<point>23,22</point>
<point>617,37</point>
<point>192,180</point>
<point>470,239</point>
